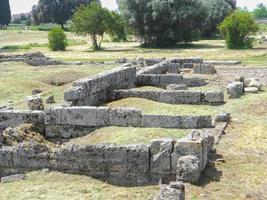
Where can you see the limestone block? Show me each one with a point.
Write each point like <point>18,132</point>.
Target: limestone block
<point>235,89</point>
<point>174,191</point>
<point>6,156</point>
<point>31,155</point>
<point>50,99</point>
<point>251,90</point>
<point>223,117</point>
<point>177,87</point>
<point>13,178</point>
<point>188,169</point>
<point>35,103</point>
<point>204,69</point>
<point>125,117</point>
<point>214,96</point>
<point>74,93</point>
<point>174,68</point>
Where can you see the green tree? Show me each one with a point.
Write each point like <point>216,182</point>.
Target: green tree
<point>217,10</point>
<point>56,11</point>
<point>163,22</point>
<point>94,21</point>
<point>238,30</point>
<point>260,11</point>
<point>57,39</point>
<point>5,14</point>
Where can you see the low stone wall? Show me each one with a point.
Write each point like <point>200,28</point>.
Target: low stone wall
<point>187,62</point>
<point>13,118</point>
<point>95,90</point>
<point>173,97</point>
<point>33,59</point>
<point>69,122</point>
<point>160,68</point>
<point>162,80</point>
<point>132,165</point>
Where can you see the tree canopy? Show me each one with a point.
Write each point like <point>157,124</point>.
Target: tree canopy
<point>164,22</point>
<point>238,29</point>
<point>5,13</point>
<point>93,20</point>
<point>260,11</point>
<point>56,11</point>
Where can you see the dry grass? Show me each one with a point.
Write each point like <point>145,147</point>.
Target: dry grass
<point>58,186</point>
<point>208,49</point>
<point>129,135</point>
<point>17,80</point>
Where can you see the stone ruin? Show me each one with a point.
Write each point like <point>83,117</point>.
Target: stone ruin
<point>162,160</point>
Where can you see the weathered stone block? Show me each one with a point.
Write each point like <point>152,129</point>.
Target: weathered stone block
<point>214,97</point>
<point>235,89</point>
<point>188,169</point>
<point>35,103</point>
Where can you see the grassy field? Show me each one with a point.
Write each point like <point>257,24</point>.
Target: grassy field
<point>129,135</point>
<point>208,49</point>
<point>244,148</point>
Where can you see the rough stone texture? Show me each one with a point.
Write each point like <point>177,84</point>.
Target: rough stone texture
<point>187,62</point>
<point>1,138</point>
<point>214,97</point>
<point>194,81</point>
<point>50,99</point>
<point>177,87</point>
<point>36,91</point>
<point>162,80</point>
<point>172,97</point>
<point>204,69</point>
<point>235,89</point>
<point>35,103</point>
<point>188,169</point>
<point>253,82</point>
<point>206,135</point>
<point>223,117</point>
<point>39,59</point>
<point>183,122</point>
<point>174,68</point>
<point>94,91</point>
<point>13,178</point>
<point>13,118</point>
<point>160,68</point>
<point>186,147</point>
<point>69,122</point>
<point>251,90</point>
<point>174,191</point>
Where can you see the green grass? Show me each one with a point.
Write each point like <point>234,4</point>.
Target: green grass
<point>58,186</point>
<point>129,135</point>
<point>17,80</point>
<point>156,108</point>
<point>208,49</point>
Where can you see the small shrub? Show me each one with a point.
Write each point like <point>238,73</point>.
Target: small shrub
<point>238,29</point>
<point>57,39</point>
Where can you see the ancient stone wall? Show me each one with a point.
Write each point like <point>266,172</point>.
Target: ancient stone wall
<point>130,165</point>
<point>95,91</point>
<point>173,97</point>
<point>162,80</point>
<point>13,118</point>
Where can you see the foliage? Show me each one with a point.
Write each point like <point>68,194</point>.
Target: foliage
<point>217,10</point>
<point>260,11</point>
<point>163,22</point>
<point>117,27</point>
<point>5,14</point>
<point>95,21</point>
<point>57,39</point>
<point>59,11</point>
<point>238,29</point>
